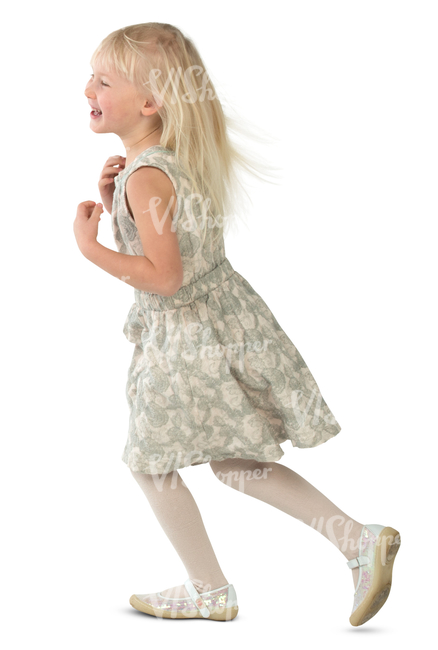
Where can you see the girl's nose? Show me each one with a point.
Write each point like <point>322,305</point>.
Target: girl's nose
<point>88,93</point>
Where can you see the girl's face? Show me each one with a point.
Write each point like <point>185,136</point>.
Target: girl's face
<point>119,102</point>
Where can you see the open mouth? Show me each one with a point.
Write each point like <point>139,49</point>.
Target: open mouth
<point>95,113</point>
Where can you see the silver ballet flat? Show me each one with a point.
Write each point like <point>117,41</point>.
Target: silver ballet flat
<point>378,546</point>
<point>216,605</point>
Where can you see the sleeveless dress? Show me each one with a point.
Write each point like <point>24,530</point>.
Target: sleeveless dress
<point>213,375</point>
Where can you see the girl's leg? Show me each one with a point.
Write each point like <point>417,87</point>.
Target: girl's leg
<point>286,490</point>
<point>179,516</point>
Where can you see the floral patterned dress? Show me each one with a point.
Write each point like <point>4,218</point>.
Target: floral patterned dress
<point>213,375</point>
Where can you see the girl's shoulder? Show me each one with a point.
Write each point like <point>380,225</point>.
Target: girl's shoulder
<point>162,158</point>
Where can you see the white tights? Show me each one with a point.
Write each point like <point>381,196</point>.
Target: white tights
<point>273,483</point>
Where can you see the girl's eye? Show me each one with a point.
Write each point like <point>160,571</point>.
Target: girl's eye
<point>103,84</point>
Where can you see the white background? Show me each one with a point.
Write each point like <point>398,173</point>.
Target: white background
<point>343,251</point>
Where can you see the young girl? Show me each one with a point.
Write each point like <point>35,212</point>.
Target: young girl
<point>213,378</point>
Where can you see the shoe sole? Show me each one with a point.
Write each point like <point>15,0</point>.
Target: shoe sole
<point>389,542</point>
<point>216,614</point>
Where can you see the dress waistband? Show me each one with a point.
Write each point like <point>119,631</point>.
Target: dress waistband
<point>187,293</point>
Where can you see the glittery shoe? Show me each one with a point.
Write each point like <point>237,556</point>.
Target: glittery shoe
<point>217,605</point>
<point>378,546</point>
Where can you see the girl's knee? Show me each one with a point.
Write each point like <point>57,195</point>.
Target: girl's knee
<point>143,478</point>
<point>138,475</point>
<point>231,470</point>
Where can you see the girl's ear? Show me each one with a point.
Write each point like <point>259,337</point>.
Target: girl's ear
<point>150,107</point>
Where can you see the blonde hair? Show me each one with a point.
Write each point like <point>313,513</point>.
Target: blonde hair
<point>197,132</point>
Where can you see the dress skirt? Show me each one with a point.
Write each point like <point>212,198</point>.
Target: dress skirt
<point>214,376</point>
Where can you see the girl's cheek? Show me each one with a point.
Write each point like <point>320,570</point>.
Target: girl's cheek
<point>123,114</point>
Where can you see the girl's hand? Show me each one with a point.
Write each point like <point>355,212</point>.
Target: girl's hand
<point>85,225</point>
<point>106,181</point>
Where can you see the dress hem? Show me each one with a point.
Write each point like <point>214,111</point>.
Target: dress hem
<point>270,458</point>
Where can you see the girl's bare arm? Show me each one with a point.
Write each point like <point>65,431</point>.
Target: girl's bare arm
<point>152,200</point>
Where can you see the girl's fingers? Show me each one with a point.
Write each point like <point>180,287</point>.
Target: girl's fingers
<point>110,170</point>
<point>115,158</point>
<point>104,182</point>
<point>112,162</point>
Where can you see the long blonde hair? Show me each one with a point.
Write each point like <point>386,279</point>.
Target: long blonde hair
<point>197,132</point>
